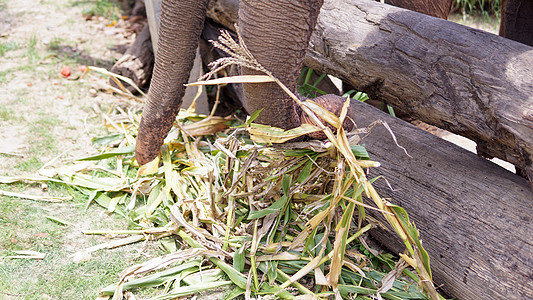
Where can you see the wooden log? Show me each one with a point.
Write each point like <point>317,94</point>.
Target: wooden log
<point>153,11</point>
<point>224,12</point>
<point>464,80</point>
<point>474,216</point>
<point>138,61</point>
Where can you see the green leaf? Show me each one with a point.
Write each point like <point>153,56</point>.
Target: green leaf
<point>298,152</point>
<point>204,276</point>
<point>251,119</point>
<point>106,140</point>
<point>276,206</point>
<point>360,151</point>
<point>306,171</point>
<point>126,150</point>
<point>277,291</point>
<point>239,259</point>
<point>183,291</point>
<point>54,219</point>
<point>154,279</point>
<point>105,201</point>
<point>235,276</point>
<point>236,292</point>
<point>286,183</point>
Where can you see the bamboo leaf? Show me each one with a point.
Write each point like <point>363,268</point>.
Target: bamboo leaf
<point>235,276</point>
<point>339,246</point>
<point>306,171</point>
<point>150,168</point>
<point>106,140</point>
<point>121,151</point>
<point>234,79</point>
<point>239,259</point>
<point>275,207</point>
<point>268,134</point>
<point>123,78</point>
<point>57,220</point>
<point>323,113</point>
<point>234,293</point>
<point>192,289</point>
<point>360,151</point>
<point>154,279</point>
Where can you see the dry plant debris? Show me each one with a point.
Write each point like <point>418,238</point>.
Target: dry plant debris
<point>283,220</point>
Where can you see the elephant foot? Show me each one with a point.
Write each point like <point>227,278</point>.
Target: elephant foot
<point>332,103</point>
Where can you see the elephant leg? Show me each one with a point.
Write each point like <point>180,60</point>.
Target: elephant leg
<point>435,8</point>
<point>517,21</point>
<point>277,33</point>
<point>180,27</point>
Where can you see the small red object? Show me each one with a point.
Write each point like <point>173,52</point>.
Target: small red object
<point>28,84</point>
<point>65,71</point>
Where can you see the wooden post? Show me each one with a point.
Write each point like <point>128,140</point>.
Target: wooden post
<point>153,11</point>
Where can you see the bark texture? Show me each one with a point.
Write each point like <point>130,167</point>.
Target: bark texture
<point>436,8</point>
<point>517,21</point>
<point>180,27</point>
<point>457,78</point>
<point>474,216</point>
<point>138,61</point>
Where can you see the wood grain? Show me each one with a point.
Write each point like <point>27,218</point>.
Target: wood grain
<point>474,216</point>
<point>464,80</point>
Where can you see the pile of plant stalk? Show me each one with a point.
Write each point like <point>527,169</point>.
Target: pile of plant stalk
<point>237,207</point>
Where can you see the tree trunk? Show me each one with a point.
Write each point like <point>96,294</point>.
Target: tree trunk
<point>474,216</point>
<point>138,61</point>
<point>464,80</point>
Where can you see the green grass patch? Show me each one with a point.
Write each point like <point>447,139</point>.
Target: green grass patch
<point>31,164</point>
<point>7,46</point>
<point>478,7</point>
<point>106,8</point>
<point>56,43</point>
<point>41,135</point>
<point>5,76</point>
<point>24,227</point>
<point>7,114</point>
<point>31,49</point>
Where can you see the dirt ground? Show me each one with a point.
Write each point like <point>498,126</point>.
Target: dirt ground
<point>46,118</point>
<point>48,35</point>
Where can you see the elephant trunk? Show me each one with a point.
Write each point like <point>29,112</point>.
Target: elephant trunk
<point>180,27</point>
<point>277,32</point>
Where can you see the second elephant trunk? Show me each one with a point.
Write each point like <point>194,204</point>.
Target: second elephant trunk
<point>179,30</point>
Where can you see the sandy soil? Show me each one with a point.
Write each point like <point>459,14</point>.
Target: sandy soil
<point>48,35</point>
<point>47,118</point>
